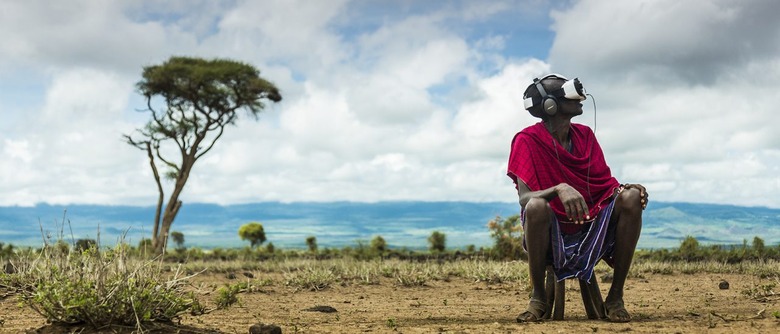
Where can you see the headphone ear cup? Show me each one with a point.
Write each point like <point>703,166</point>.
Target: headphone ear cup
<point>550,105</point>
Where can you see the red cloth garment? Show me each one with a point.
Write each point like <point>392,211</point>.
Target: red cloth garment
<point>540,162</point>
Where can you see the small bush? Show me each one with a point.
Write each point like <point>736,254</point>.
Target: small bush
<point>228,295</point>
<point>508,236</point>
<point>100,288</point>
<point>310,278</point>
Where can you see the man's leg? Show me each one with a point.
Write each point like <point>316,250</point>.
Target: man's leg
<point>628,217</point>
<point>537,240</point>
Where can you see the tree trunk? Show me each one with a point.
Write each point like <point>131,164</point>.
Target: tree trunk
<point>167,221</point>
<point>173,206</point>
<point>156,226</point>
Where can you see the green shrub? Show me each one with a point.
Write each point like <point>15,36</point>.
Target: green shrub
<point>228,295</point>
<point>508,237</point>
<point>311,278</point>
<point>100,288</point>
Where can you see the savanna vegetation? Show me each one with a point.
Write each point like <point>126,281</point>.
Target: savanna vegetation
<point>84,283</point>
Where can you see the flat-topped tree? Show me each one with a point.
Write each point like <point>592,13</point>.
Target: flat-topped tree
<point>191,101</point>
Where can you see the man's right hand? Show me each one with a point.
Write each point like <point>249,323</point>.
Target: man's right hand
<point>573,203</point>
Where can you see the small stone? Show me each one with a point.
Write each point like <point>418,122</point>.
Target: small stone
<point>321,308</point>
<point>265,329</point>
<point>723,285</point>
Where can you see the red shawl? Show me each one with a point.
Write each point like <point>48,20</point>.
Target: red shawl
<point>533,160</point>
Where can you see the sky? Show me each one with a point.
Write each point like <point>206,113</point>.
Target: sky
<point>393,100</point>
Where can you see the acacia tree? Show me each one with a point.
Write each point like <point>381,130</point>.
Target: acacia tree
<point>253,232</point>
<point>191,101</point>
<point>178,239</point>
<point>378,244</point>
<point>437,241</point>
<point>311,242</point>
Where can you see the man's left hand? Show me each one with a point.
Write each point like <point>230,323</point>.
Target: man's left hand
<point>642,192</point>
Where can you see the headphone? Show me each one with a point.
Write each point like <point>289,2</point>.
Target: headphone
<point>571,89</point>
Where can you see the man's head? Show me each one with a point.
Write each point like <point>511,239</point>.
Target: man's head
<point>545,97</point>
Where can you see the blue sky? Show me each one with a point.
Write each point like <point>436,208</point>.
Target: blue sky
<point>393,100</point>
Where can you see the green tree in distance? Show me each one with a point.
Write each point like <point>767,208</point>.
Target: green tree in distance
<point>191,101</point>
<point>178,239</point>
<point>437,241</point>
<point>508,236</point>
<point>311,242</point>
<point>689,248</point>
<point>758,246</point>
<point>378,244</point>
<point>253,232</point>
<point>81,244</point>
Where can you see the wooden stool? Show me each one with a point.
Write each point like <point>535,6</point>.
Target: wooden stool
<point>556,295</point>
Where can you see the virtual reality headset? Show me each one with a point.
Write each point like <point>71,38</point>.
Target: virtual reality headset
<point>571,89</point>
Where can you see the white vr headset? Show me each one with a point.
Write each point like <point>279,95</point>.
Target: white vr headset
<point>571,89</point>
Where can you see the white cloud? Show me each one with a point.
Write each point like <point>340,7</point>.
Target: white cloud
<point>696,41</point>
<point>80,33</point>
<point>684,90</point>
<point>72,150</point>
<point>419,103</point>
<point>291,32</point>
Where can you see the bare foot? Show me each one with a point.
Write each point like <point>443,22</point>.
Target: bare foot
<point>616,312</point>
<point>535,312</point>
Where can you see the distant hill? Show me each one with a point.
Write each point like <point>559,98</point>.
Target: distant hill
<point>337,224</point>
<point>667,223</point>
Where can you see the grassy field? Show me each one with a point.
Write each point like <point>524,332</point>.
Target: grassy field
<point>62,289</point>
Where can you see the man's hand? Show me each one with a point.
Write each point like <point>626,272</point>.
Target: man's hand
<point>643,196</point>
<point>573,203</point>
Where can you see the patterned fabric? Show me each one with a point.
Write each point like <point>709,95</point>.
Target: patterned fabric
<point>575,255</point>
<point>538,161</point>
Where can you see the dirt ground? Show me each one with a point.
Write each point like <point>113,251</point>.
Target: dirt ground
<point>658,303</point>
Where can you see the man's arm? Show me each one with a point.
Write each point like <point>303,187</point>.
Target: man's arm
<point>573,202</point>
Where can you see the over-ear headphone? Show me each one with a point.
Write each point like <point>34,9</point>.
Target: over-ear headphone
<point>549,102</point>
<point>571,89</point>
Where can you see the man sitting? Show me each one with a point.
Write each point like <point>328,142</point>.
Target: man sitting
<point>574,211</point>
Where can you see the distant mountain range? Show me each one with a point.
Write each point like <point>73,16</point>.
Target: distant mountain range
<point>338,224</point>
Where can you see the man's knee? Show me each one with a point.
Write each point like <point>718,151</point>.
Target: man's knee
<point>629,201</point>
<point>537,210</point>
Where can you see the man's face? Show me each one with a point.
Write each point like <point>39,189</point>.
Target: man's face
<point>570,107</point>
